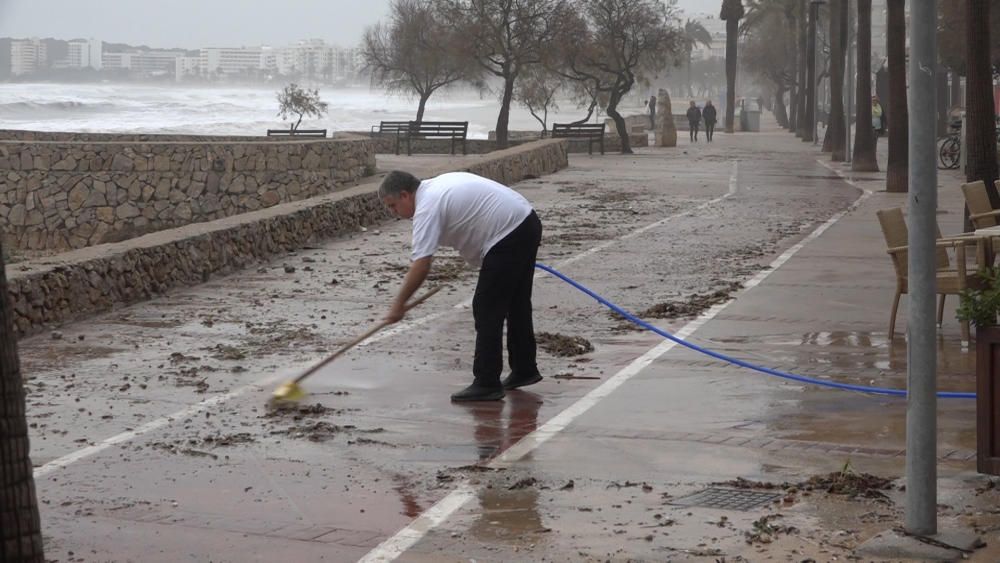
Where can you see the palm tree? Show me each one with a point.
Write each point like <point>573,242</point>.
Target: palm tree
<point>20,532</point>
<point>980,118</point>
<point>864,134</point>
<point>838,50</point>
<point>694,34</point>
<point>803,30</point>
<point>759,15</point>
<point>897,170</point>
<point>732,13</point>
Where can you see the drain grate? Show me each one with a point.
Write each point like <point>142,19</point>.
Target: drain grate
<point>728,499</point>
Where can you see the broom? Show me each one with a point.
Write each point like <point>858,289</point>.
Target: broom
<point>292,392</point>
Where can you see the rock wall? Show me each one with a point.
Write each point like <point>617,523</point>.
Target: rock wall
<point>666,127</point>
<point>46,292</point>
<point>65,194</point>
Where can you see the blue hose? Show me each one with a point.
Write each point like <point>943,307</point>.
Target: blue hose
<point>738,362</point>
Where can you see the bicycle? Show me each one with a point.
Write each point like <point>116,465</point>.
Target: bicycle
<point>951,147</point>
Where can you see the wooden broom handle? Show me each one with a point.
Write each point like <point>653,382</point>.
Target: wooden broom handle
<point>365,336</point>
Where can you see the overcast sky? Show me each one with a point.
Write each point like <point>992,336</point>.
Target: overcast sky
<point>205,23</point>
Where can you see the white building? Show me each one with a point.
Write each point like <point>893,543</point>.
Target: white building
<point>230,60</point>
<point>717,29</point>
<point>27,56</point>
<point>85,53</point>
<point>147,62</point>
<point>186,67</point>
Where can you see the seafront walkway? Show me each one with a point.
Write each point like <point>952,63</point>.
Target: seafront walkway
<point>755,246</point>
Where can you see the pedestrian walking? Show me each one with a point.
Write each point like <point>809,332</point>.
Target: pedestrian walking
<point>709,115</point>
<point>694,120</point>
<point>878,117</point>
<point>495,229</point>
<point>652,112</point>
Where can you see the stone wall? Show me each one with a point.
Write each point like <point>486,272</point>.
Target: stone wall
<point>64,194</point>
<point>46,292</point>
<point>386,144</point>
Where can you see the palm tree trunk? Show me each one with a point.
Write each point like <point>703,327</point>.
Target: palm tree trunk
<point>690,91</point>
<point>838,133</point>
<point>20,526</point>
<point>810,113</point>
<point>942,101</point>
<point>780,113</point>
<point>980,137</point>
<point>897,170</point>
<point>955,96</point>
<point>864,159</point>
<point>803,31</point>
<point>732,35</point>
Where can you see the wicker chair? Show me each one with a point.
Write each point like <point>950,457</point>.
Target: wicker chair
<point>951,280</point>
<point>981,211</point>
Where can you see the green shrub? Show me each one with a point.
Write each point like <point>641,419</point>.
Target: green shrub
<point>980,306</point>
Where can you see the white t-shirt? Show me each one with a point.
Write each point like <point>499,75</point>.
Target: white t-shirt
<point>466,212</point>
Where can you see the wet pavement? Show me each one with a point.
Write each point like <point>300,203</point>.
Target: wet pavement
<point>154,443</point>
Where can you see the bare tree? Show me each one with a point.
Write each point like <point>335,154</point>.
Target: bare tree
<point>897,169</point>
<point>20,526</point>
<point>732,12</point>
<point>623,42</point>
<point>537,91</point>
<point>293,100</point>
<point>864,159</point>
<point>505,37</point>
<point>416,51</point>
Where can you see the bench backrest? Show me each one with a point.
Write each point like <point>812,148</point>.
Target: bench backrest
<point>582,130</point>
<point>457,129</point>
<point>296,133</point>
<point>393,126</point>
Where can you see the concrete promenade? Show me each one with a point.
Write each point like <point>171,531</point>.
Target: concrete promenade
<point>592,464</point>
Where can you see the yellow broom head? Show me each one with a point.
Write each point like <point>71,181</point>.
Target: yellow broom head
<point>289,392</point>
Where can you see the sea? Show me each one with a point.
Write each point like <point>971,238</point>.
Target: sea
<point>219,110</point>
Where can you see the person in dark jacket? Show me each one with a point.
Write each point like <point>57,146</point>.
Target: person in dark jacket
<point>694,120</point>
<point>709,115</point>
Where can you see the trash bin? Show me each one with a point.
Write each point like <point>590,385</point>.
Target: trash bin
<point>750,116</point>
<point>753,121</point>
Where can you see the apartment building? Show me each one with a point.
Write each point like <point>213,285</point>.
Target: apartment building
<point>230,60</point>
<point>148,62</point>
<point>85,53</point>
<point>27,56</point>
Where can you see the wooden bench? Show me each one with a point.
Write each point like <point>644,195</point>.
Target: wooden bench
<point>592,132</point>
<point>397,128</point>
<point>454,130</point>
<point>296,133</point>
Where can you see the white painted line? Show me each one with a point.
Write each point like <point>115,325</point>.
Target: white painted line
<point>196,408</point>
<point>395,546</point>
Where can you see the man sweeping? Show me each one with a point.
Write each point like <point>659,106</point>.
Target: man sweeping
<point>495,229</point>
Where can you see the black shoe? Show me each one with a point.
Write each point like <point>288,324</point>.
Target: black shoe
<point>476,392</point>
<point>513,381</point>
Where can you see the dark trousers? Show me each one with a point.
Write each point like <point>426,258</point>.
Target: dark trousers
<point>694,131</point>
<point>503,292</point>
<point>709,129</point>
